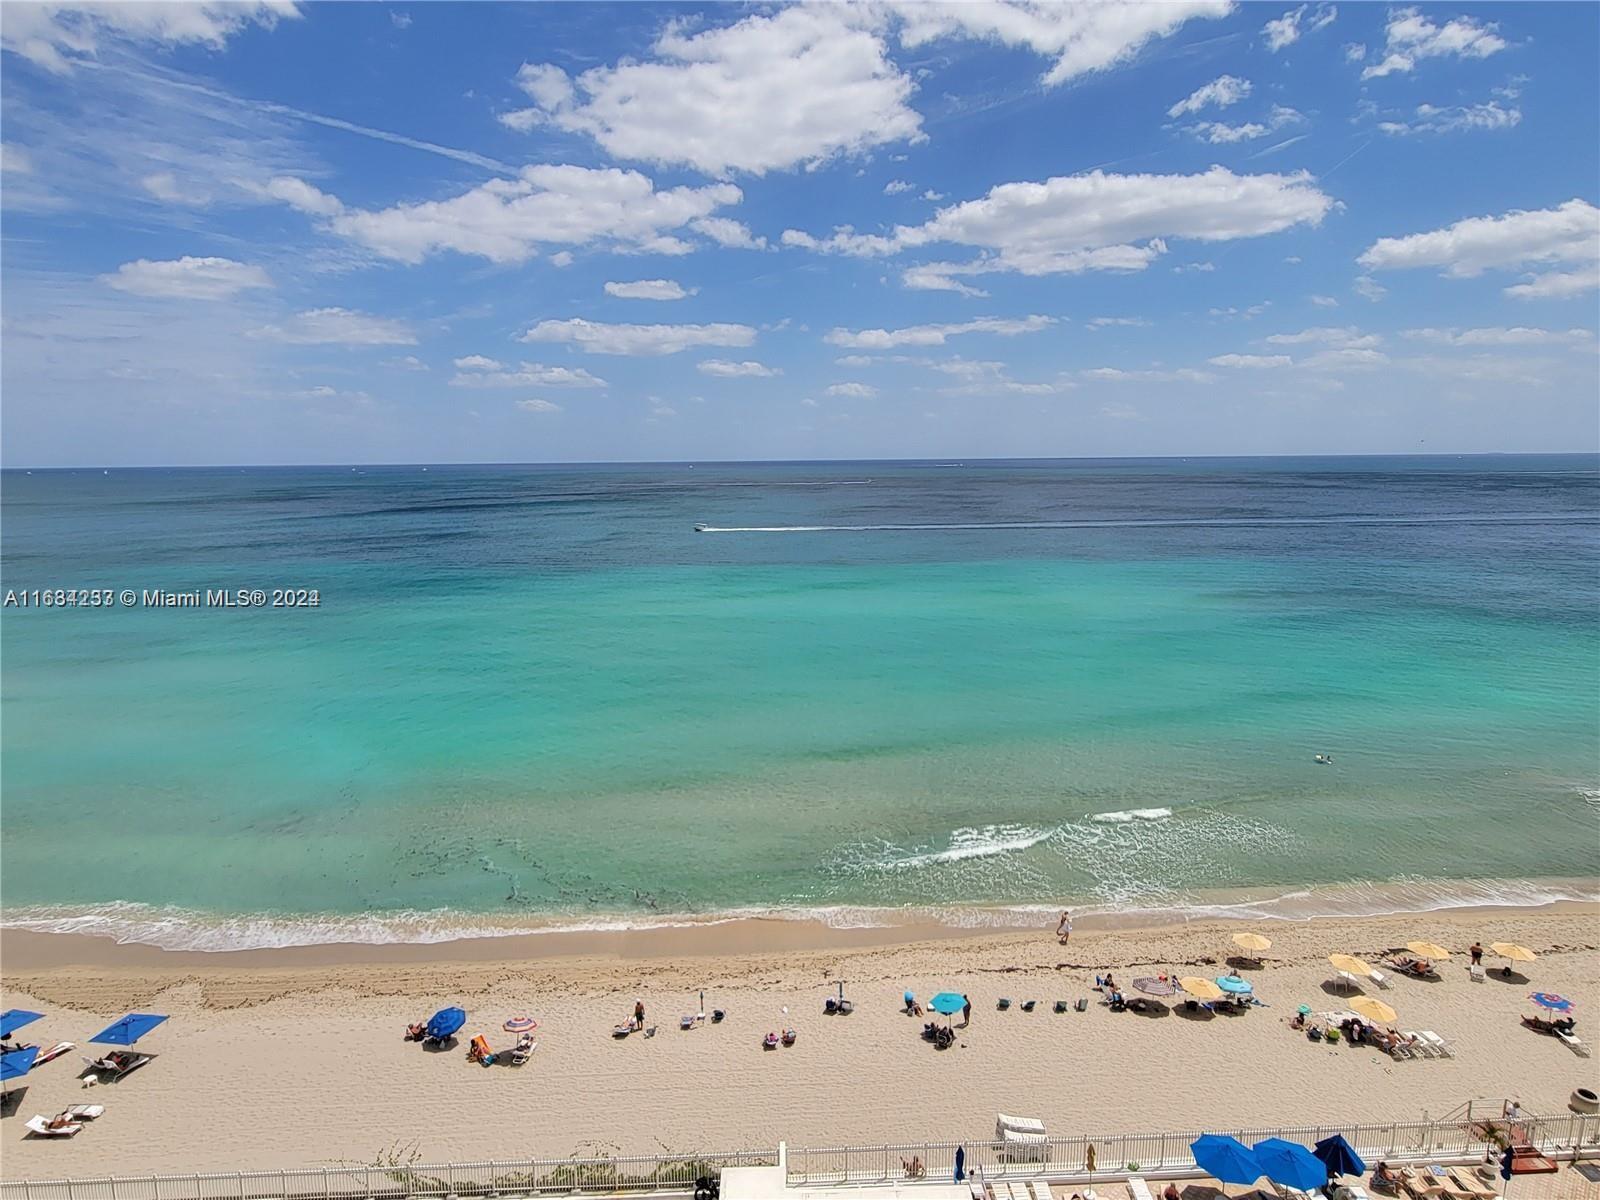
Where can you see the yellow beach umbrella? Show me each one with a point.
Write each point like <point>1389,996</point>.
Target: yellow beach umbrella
<point>1373,1010</point>
<point>1200,989</point>
<point>1513,951</point>
<point>1252,941</point>
<point>1428,949</point>
<point>1349,962</point>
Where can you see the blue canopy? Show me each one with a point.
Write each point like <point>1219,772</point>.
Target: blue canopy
<point>1232,983</point>
<point>1290,1164</point>
<point>18,1062</point>
<point>1226,1159</point>
<point>948,1003</point>
<point>14,1019</point>
<point>446,1021</point>
<point>128,1030</point>
<point>1339,1157</point>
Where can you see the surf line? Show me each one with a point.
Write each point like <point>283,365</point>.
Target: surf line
<point>1165,523</point>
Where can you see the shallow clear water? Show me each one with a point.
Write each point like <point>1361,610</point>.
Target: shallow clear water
<point>537,690</point>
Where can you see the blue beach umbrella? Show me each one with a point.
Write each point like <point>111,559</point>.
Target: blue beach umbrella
<point>1290,1164</point>
<point>1339,1156</point>
<point>1235,985</point>
<point>948,1003</point>
<point>445,1022</point>
<point>128,1030</point>
<point>1226,1159</point>
<point>14,1019</point>
<point>1552,1002</point>
<point>17,1063</point>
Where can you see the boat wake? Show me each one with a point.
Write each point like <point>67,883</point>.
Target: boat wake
<point>1176,523</point>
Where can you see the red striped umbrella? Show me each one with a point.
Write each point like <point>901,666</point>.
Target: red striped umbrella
<point>520,1025</point>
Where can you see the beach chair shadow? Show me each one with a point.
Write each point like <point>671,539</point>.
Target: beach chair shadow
<point>1516,977</point>
<point>1340,988</point>
<point>1244,962</point>
<point>12,1101</point>
<point>1194,1011</point>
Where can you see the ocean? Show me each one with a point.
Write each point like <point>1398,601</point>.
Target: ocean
<point>535,696</point>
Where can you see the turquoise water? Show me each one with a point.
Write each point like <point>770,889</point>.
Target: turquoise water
<point>536,692</point>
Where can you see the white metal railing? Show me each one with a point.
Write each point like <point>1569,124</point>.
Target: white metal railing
<point>1106,1156</point>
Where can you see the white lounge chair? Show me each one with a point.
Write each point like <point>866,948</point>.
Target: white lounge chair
<point>1002,1122</point>
<point>40,1127</point>
<point>1475,973</point>
<point>1025,1147</point>
<point>1439,1044</point>
<point>1379,978</point>
<point>1138,1189</point>
<point>1420,1045</point>
<point>1574,1042</point>
<point>85,1112</point>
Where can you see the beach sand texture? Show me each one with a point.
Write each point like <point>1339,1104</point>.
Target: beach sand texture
<point>303,1064</point>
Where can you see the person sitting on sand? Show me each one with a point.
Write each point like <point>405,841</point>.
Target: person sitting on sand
<point>1171,1192</point>
<point>1110,983</point>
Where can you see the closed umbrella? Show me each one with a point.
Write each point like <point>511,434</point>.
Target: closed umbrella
<point>1373,1010</point>
<point>1200,989</point>
<point>1226,1159</point>
<point>128,1030</point>
<point>961,1163</point>
<point>1253,942</point>
<point>1339,1156</point>
<point>1290,1164</point>
<point>14,1019</point>
<point>1428,950</point>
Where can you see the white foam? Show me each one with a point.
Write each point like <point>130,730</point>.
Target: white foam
<point>1131,815</point>
<point>969,843</point>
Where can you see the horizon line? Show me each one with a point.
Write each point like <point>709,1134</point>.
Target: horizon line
<point>691,462</point>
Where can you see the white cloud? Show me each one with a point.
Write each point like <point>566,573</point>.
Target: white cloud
<point>1254,310</point>
<point>932,196</point>
<point>476,371</point>
<point>596,338</point>
<point>1324,301</point>
<point>187,278</point>
<point>561,258</point>
<point>1285,30</point>
<point>980,378</point>
<point>649,289</point>
<point>1556,285</point>
<point>1454,119</point>
<point>538,406</point>
<point>1082,38</point>
<point>60,36</point>
<point>725,231</point>
<point>1355,52</point>
<point>862,391</point>
<point>1221,91</point>
<point>895,186</point>
<point>1250,361</point>
<point>723,369</point>
<point>1185,268</point>
<point>934,335</point>
<point>338,326</point>
<point>1501,336</point>
<point>1118,375</point>
<point>1345,358</point>
<point>400,20</point>
<point>1348,337</point>
<point>1567,234</point>
<point>1411,37</point>
<point>15,160</point>
<point>803,85</point>
<point>937,277</point>
<point>1219,134</point>
<point>507,220</point>
<point>407,362</point>
<point>1102,322</point>
<point>164,186</point>
<point>1369,287</point>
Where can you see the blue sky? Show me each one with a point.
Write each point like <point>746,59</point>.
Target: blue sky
<point>274,233</point>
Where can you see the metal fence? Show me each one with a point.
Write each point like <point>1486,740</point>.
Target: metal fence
<point>1110,1156</point>
<point>521,1177</point>
<point>1105,1157</point>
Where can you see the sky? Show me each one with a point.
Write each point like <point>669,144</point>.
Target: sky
<point>438,232</point>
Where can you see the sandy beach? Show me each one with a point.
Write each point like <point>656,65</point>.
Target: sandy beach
<point>295,1058</point>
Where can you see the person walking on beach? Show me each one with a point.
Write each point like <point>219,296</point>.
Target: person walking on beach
<point>1064,927</point>
<point>1477,954</point>
<point>966,1011</point>
<point>638,1013</point>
